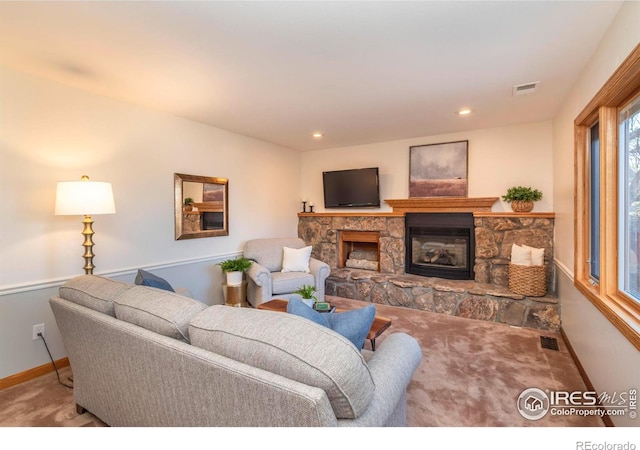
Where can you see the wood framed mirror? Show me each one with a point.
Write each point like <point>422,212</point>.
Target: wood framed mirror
<point>201,206</point>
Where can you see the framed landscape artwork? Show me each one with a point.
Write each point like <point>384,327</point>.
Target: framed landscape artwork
<point>213,193</point>
<point>438,170</point>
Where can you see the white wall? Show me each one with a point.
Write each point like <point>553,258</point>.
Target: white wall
<point>498,159</point>
<point>50,132</point>
<point>610,361</point>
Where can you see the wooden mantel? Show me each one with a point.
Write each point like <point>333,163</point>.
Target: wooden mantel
<point>442,204</point>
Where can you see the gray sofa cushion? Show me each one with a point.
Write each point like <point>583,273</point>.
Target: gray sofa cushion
<point>94,292</point>
<point>290,346</point>
<point>287,282</point>
<point>157,310</point>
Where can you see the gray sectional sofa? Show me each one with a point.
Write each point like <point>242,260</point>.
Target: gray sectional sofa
<point>141,356</point>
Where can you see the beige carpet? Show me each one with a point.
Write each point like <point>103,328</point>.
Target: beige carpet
<point>472,371</point>
<point>471,374</point>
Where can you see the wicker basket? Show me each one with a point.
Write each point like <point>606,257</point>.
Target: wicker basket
<point>528,280</point>
<point>521,206</point>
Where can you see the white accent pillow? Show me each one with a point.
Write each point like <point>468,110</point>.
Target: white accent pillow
<point>537,255</point>
<point>520,255</point>
<point>296,259</point>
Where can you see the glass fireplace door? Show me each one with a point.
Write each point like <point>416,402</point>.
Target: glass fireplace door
<point>448,249</point>
<point>440,245</point>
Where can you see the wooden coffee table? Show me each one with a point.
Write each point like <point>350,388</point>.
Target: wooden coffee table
<point>379,325</point>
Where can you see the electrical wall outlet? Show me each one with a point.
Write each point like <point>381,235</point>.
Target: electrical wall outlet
<point>38,329</point>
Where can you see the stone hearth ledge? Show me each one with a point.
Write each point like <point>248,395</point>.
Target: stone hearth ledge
<point>469,299</point>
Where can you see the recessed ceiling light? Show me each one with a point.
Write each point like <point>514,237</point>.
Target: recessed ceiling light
<point>317,135</point>
<point>464,112</point>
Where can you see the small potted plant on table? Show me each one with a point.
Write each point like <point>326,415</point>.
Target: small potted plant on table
<point>522,198</point>
<point>234,269</point>
<point>188,204</point>
<point>308,294</point>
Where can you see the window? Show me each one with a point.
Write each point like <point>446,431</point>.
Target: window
<point>607,199</point>
<point>594,202</point>
<point>629,208</point>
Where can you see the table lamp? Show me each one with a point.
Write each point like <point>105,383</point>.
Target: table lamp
<point>84,198</point>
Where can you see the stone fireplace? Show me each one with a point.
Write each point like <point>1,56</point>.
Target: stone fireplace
<point>485,296</point>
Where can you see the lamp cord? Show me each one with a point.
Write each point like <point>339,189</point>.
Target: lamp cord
<point>54,364</point>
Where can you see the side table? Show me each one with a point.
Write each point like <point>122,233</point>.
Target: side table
<point>235,295</point>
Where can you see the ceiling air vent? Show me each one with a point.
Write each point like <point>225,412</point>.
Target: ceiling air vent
<point>526,88</point>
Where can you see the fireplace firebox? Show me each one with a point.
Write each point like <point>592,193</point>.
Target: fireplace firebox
<point>440,245</point>
<point>212,220</point>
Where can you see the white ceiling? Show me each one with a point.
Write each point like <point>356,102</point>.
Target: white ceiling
<point>359,72</point>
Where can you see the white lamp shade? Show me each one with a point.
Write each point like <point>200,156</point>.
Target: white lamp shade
<point>77,198</point>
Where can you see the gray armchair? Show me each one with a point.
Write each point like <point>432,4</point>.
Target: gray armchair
<point>265,279</point>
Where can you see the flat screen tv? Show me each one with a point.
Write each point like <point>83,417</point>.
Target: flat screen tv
<point>351,188</point>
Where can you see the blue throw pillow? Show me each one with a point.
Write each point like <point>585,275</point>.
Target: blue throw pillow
<point>299,308</point>
<point>144,278</point>
<point>353,324</point>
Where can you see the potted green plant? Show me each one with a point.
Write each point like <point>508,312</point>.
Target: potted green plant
<point>234,269</point>
<point>522,198</point>
<point>308,294</point>
<point>188,204</point>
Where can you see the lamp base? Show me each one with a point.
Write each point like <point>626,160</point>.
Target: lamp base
<point>88,233</point>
